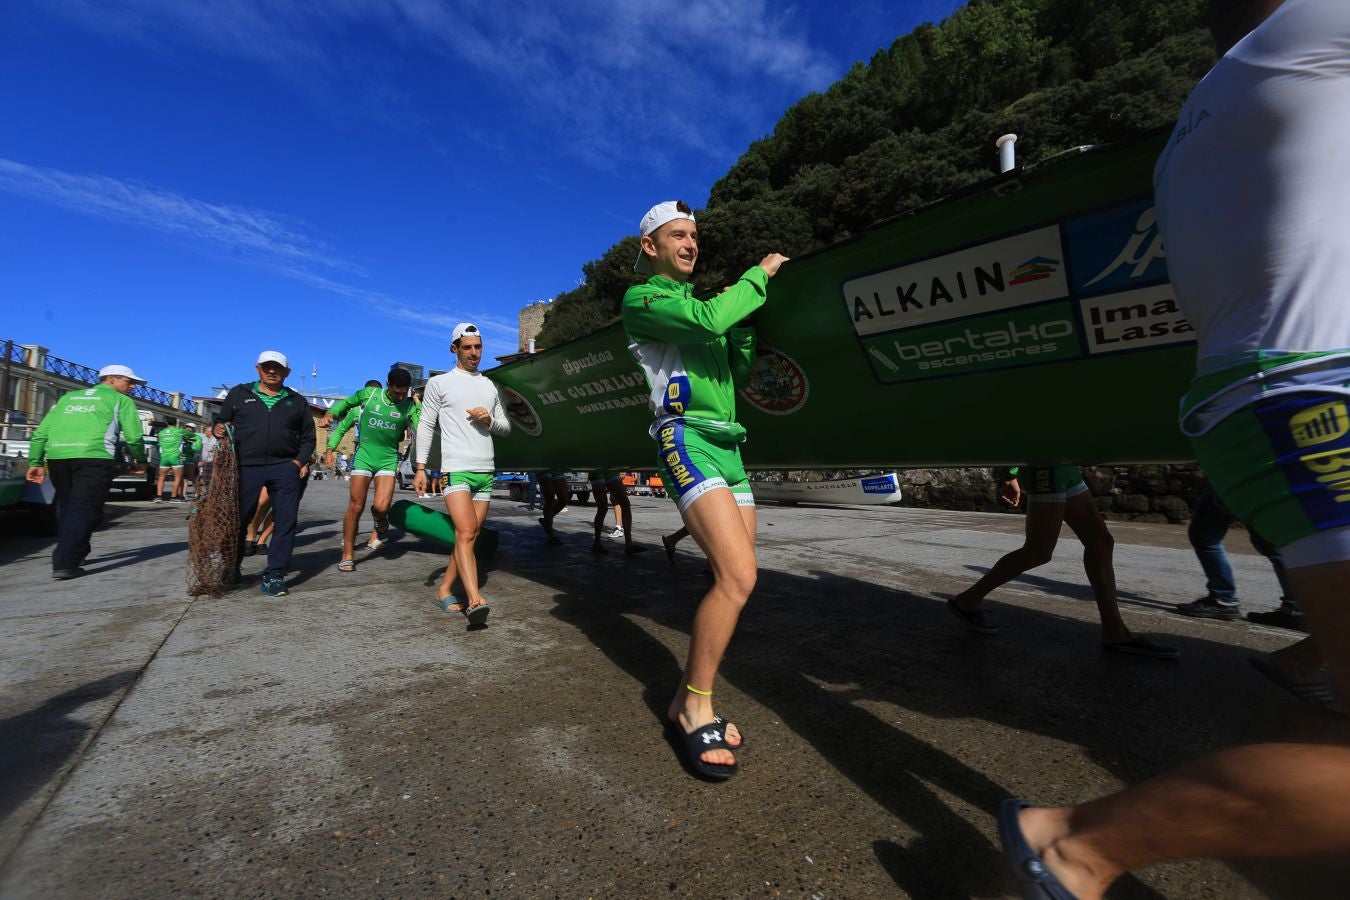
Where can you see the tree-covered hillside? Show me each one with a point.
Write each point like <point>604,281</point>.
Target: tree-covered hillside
<point>919,120</point>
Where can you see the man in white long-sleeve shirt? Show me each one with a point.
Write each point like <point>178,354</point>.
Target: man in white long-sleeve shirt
<point>465,407</point>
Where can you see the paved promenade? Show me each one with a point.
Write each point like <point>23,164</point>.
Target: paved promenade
<point>351,740</point>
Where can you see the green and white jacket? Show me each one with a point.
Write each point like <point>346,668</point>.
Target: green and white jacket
<point>691,351</point>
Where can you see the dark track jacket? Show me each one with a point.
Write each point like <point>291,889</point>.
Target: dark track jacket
<point>264,435</point>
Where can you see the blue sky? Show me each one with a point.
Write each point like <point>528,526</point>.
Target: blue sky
<point>185,183</point>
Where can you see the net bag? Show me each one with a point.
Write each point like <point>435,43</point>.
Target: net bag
<point>213,527</point>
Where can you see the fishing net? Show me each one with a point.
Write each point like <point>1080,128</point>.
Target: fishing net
<point>213,527</point>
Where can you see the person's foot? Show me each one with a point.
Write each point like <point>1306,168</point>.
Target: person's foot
<point>375,542</point>
<point>1142,646</point>
<point>250,548</point>
<point>729,733</point>
<point>670,548</point>
<point>68,573</point>
<point>974,618</point>
<point>450,603</point>
<point>1210,607</point>
<point>1287,616</point>
<point>630,549</point>
<point>616,531</point>
<point>273,586</point>
<point>1038,846</point>
<point>157,500</point>
<point>477,614</point>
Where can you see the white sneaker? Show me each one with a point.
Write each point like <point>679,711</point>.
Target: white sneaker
<point>616,532</point>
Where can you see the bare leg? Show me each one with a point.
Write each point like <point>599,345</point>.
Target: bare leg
<point>468,515</point>
<point>726,533</point>
<point>1038,547</point>
<point>356,504</point>
<point>1264,800</point>
<point>601,510</point>
<point>159,481</point>
<point>552,502</point>
<point>1082,515</point>
<point>177,489</point>
<point>384,498</point>
<point>623,512</point>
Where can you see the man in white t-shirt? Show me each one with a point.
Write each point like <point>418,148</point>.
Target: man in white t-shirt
<point>1253,194</point>
<point>464,407</point>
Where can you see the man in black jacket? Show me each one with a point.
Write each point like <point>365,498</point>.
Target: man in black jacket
<point>274,440</point>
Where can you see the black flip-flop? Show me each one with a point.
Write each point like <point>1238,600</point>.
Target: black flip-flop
<point>975,620</point>
<point>708,737</point>
<point>477,615</point>
<point>1033,878</point>
<point>1142,646</point>
<point>1317,693</point>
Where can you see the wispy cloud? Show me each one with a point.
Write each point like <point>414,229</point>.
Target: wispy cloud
<point>583,75</point>
<point>253,237</point>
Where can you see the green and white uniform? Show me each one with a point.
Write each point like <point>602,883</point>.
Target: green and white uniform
<point>87,424</point>
<point>383,424</point>
<point>693,355</point>
<point>171,439</point>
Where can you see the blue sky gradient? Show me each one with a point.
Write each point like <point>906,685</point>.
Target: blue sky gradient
<point>184,184</point>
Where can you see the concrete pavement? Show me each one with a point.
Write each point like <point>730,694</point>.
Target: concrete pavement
<point>352,740</point>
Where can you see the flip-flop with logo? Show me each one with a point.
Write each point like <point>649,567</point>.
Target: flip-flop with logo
<point>477,615</point>
<point>1033,878</point>
<point>699,741</point>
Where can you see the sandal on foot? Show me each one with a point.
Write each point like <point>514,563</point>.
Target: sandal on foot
<point>449,603</point>
<point>974,620</point>
<point>1142,646</point>
<point>477,615</point>
<point>701,740</point>
<point>347,565</point>
<point>1317,693</point>
<point>735,748</point>
<point>670,548</point>
<point>1035,880</point>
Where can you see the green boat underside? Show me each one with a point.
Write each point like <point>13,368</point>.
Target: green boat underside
<point>1028,319</point>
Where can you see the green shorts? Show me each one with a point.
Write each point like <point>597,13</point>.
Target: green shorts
<point>1051,484</point>
<point>479,484</point>
<point>375,462</point>
<point>1282,465</point>
<point>601,478</point>
<point>690,465</point>
<point>170,460</point>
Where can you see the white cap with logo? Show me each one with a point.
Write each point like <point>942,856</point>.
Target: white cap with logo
<point>462,329</point>
<point>658,215</point>
<point>275,356</point>
<point>124,371</point>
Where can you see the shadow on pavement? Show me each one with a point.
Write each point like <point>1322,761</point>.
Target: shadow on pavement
<point>825,651</point>
<point>36,744</point>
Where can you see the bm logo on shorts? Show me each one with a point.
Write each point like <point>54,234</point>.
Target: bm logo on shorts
<point>673,456</point>
<point>1319,425</point>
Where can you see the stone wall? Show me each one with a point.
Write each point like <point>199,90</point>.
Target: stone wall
<point>531,322</point>
<point>1138,493</point>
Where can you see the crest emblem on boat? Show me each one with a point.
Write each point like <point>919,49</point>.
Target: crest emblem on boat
<point>778,385</point>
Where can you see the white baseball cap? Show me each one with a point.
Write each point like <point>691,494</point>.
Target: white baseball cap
<point>124,371</point>
<point>658,215</point>
<point>462,329</point>
<point>275,356</point>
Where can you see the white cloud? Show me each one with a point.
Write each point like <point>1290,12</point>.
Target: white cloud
<point>254,235</point>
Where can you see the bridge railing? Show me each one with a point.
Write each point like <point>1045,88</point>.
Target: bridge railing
<point>55,365</point>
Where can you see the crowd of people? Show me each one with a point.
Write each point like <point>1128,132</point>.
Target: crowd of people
<point>1257,251</point>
